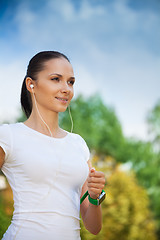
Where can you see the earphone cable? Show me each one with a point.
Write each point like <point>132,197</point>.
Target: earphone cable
<point>69,109</point>
<point>41,116</point>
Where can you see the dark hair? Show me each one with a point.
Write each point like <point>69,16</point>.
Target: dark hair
<point>36,65</point>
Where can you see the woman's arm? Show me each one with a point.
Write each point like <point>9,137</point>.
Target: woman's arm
<point>2,156</point>
<point>92,214</point>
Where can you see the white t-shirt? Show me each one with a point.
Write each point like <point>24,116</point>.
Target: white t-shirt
<point>46,176</point>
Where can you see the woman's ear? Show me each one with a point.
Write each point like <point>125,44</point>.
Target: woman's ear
<point>29,84</point>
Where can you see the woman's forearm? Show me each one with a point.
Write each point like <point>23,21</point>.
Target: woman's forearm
<point>92,218</point>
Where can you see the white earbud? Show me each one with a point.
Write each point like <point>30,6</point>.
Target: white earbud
<point>32,86</point>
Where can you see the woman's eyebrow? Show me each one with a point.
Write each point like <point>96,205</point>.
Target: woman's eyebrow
<point>72,78</point>
<point>55,74</point>
<point>59,75</point>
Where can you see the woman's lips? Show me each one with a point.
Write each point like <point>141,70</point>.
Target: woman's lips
<point>63,100</point>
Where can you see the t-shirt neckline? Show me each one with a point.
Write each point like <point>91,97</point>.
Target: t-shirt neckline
<point>42,134</point>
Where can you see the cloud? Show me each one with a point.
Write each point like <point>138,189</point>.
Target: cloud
<point>113,46</point>
<point>61,25</point>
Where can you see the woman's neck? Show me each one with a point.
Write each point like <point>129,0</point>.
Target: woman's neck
<point>44,123</point>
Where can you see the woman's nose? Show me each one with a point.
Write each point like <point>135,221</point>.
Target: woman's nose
<point>65,88</point>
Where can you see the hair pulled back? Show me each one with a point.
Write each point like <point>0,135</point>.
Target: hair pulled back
<point>36,65</point>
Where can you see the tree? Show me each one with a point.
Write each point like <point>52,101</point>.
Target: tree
<point>153,120</point>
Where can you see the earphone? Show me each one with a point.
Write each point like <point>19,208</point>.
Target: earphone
<point>31,86</point>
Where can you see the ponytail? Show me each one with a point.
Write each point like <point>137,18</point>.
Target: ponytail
<point>26,101</point>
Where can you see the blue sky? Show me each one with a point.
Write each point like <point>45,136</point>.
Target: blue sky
<point>114,47</point>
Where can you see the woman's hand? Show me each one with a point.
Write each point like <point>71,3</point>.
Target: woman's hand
<point>92,214</point>
<point>95,183</point>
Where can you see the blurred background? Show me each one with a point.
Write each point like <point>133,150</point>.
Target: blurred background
<point>114,47</point>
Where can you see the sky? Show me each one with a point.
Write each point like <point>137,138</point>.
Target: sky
<point>113,45</point>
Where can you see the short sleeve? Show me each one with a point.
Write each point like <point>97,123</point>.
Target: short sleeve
<point>5,139</point>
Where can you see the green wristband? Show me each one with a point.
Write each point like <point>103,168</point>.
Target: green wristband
<point>84,196</point>
<point>97,201</point>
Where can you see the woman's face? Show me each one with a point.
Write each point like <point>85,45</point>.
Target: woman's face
<point>54,86</point>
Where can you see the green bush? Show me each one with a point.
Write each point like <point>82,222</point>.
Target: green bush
<point>4,218</point>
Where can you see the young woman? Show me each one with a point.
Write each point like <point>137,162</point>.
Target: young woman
<point>47,167</point>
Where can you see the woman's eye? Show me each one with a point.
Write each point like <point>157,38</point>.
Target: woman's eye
<point>55,79</point>
<point>71,82</point>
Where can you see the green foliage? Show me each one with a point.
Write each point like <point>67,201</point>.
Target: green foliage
<point>145,163</point>
<point>5,219</point>
<point>143,160</point>
<point>153,120</point>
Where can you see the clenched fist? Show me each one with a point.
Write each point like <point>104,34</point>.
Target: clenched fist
<point>95,183</point>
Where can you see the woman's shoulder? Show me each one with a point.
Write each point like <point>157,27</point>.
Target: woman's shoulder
<point>3,128</point>
<point>76,136</point>
<point>9,125</point>
<point>6,138</point>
